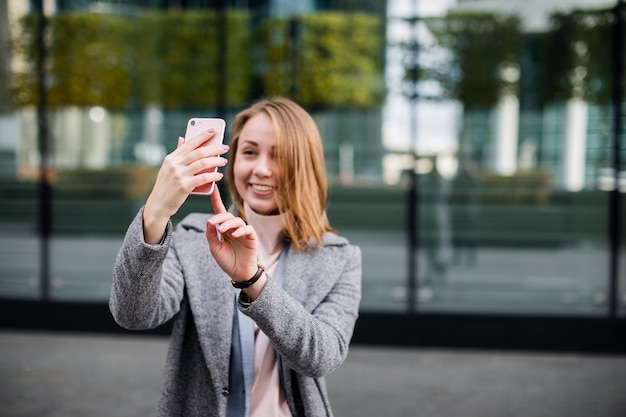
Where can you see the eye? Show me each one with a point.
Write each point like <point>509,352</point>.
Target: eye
<point>248,151</point>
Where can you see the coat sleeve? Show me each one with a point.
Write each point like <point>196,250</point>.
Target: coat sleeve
<point>146,290</point>
<point>313,342</point>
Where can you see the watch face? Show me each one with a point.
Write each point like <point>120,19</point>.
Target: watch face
<point>244,300</point>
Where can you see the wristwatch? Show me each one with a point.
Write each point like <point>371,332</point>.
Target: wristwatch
<point>248,283</point>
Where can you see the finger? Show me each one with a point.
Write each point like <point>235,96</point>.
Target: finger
<point>220,218</point>
<point>197,141</point>
<point>207,163</point>
<point>212,235</point>
<point>204,158</point>
<point>244,231</point>
<point>216,201</point>
<point>201,138</point>
<point>205,179</point>
<point>230,225</point>
<point>181,140</point>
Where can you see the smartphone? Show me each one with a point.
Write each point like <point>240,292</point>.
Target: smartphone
<point>197,125</point>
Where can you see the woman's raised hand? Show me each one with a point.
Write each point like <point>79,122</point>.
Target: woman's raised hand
<point>179,174</point>
<point>233,243</point>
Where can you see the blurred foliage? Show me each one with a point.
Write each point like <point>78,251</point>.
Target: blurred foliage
<point>481,46</point>
<point>117,61</point>
<point>24,85</point>
<point>178,58</point>
<point>327,59</point>
<point>576,56</point>
<point>324,59</point>
<point>87,62</point>
<point>120,182</point>
<point>172,58</point>
<point>521,188</point>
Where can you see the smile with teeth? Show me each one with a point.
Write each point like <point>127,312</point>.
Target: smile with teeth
<point>260,187</point>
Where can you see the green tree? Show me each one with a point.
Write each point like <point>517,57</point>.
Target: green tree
<point>481,46</point>
<point>576,56</point>
<point>87,60</point>
<point>327,59</point>
<point>170,58</point>
<point>178,58</point>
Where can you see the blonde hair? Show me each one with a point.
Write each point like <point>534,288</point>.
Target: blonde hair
<point>302,193</point>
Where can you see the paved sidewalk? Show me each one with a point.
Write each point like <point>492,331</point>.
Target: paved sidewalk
<point>67,375</point>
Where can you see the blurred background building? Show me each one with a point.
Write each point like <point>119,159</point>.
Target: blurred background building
<point>475,151</point>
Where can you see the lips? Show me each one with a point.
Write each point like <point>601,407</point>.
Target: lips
<point>261,187</point>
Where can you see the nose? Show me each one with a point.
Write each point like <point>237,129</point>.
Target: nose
<point>262,167</point>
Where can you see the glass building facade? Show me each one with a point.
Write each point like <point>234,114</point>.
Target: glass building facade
<point>475,149</point>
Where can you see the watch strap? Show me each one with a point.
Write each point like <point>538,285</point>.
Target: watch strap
<point>248,283</point>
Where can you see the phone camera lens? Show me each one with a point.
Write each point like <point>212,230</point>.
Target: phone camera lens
<point>193,122</point>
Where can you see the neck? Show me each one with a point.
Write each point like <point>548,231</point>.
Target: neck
<point>269,230</point>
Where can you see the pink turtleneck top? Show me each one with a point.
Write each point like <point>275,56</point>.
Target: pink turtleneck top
<point>268,397</point>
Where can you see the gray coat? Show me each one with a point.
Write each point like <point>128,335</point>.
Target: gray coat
<point>310,322</point>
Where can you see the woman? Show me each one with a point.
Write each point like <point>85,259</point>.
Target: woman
<point>248,338</point>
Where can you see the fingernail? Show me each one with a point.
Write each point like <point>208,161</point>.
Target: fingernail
<point>225,147</point>
<point>211,130</point>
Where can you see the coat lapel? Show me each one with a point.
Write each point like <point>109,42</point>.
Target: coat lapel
<point>303,269</point>
<point>211,298</point>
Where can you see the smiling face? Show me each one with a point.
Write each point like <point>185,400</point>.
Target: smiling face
<point>255,170</point>
<point>277,166</point>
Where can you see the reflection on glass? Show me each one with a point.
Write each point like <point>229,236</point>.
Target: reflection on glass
<point>526,214</point>
<point>503,116</point>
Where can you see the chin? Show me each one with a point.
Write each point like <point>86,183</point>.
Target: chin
<point>264,209</point>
